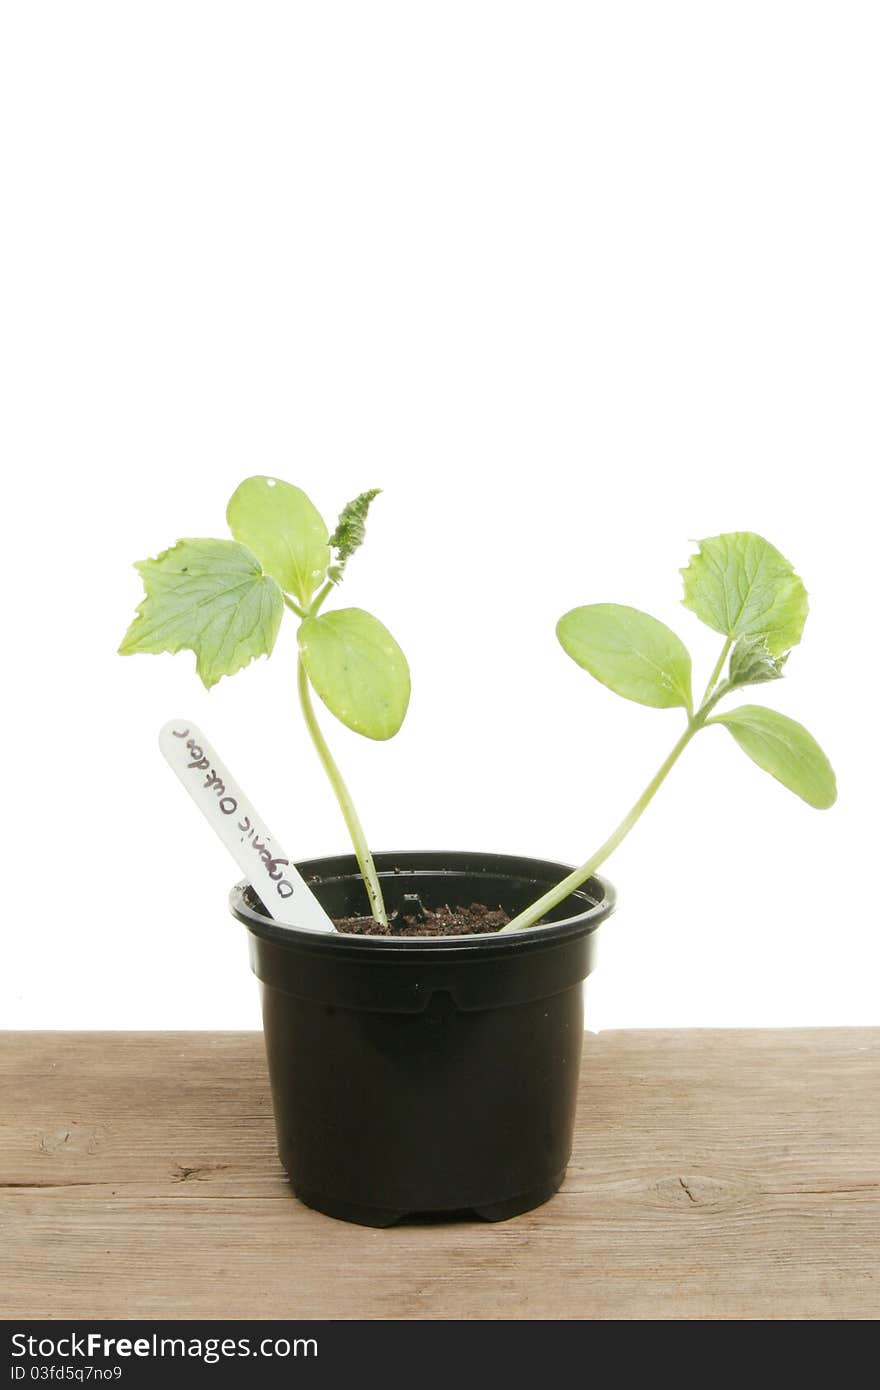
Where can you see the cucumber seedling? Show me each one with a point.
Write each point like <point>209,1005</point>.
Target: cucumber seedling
<point>224,600</point>
<point>740,586</point>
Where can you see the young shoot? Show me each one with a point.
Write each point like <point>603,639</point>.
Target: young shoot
<point>224,600</point>
<point>740,586</point>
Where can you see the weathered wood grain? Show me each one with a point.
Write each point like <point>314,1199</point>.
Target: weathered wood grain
<point>715,1175</point>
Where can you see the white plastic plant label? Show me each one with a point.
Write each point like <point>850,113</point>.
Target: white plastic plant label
<point>255,849</point>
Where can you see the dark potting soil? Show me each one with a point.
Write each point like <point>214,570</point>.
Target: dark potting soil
<point>425,921</point>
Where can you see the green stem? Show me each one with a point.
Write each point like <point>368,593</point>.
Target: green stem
<point>719,667</point>
<point>560,891</point>
<point>294,607</point>
<point>355,829</point>
<point>532,914</point>
<point>316,602</point>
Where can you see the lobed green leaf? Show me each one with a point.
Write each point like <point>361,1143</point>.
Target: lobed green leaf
<point>284,530</point>
<point>632,653</point>
<point>752,664</point>
<point>785,749</point>
<point>741,586</point>
<point>358,670</point>
<point>210,597</point>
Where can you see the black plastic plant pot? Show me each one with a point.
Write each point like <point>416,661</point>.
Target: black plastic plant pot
<point>426,1075</point>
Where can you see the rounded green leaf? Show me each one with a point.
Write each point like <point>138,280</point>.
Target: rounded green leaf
<point>785,749</point>
<point>284,530</point>
<point>211,597</point>
<point>358,670</point>
<point>632,653</point>
<point>740,585</point>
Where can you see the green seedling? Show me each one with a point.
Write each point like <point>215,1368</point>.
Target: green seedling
<point>743,588</point>
<point>224,600</point>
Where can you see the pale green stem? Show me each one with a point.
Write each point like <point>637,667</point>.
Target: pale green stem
<point>294,607</point>
<point>355,829</point>
<point>560,891</point>
<point>316,602</point>
<point>557,894</point>
<point>719,667</point>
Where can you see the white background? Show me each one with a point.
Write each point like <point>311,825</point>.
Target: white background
<point>574,284</point>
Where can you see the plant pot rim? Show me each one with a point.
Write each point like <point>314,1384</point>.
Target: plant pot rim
<point>596,893</point>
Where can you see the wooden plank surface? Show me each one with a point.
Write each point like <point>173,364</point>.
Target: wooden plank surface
<point>730,1174</point>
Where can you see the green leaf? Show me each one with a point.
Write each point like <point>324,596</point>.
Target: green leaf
<point>740,585</point>
<point>752,664</point>
<point>358,670</point>
<point>212,598</point>
<point>632,653</point>
<point>288,536</point>
<point>785,749</point>
<point>350,531</point>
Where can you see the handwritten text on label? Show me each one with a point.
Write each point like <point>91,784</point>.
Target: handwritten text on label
<point>236,822</point>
